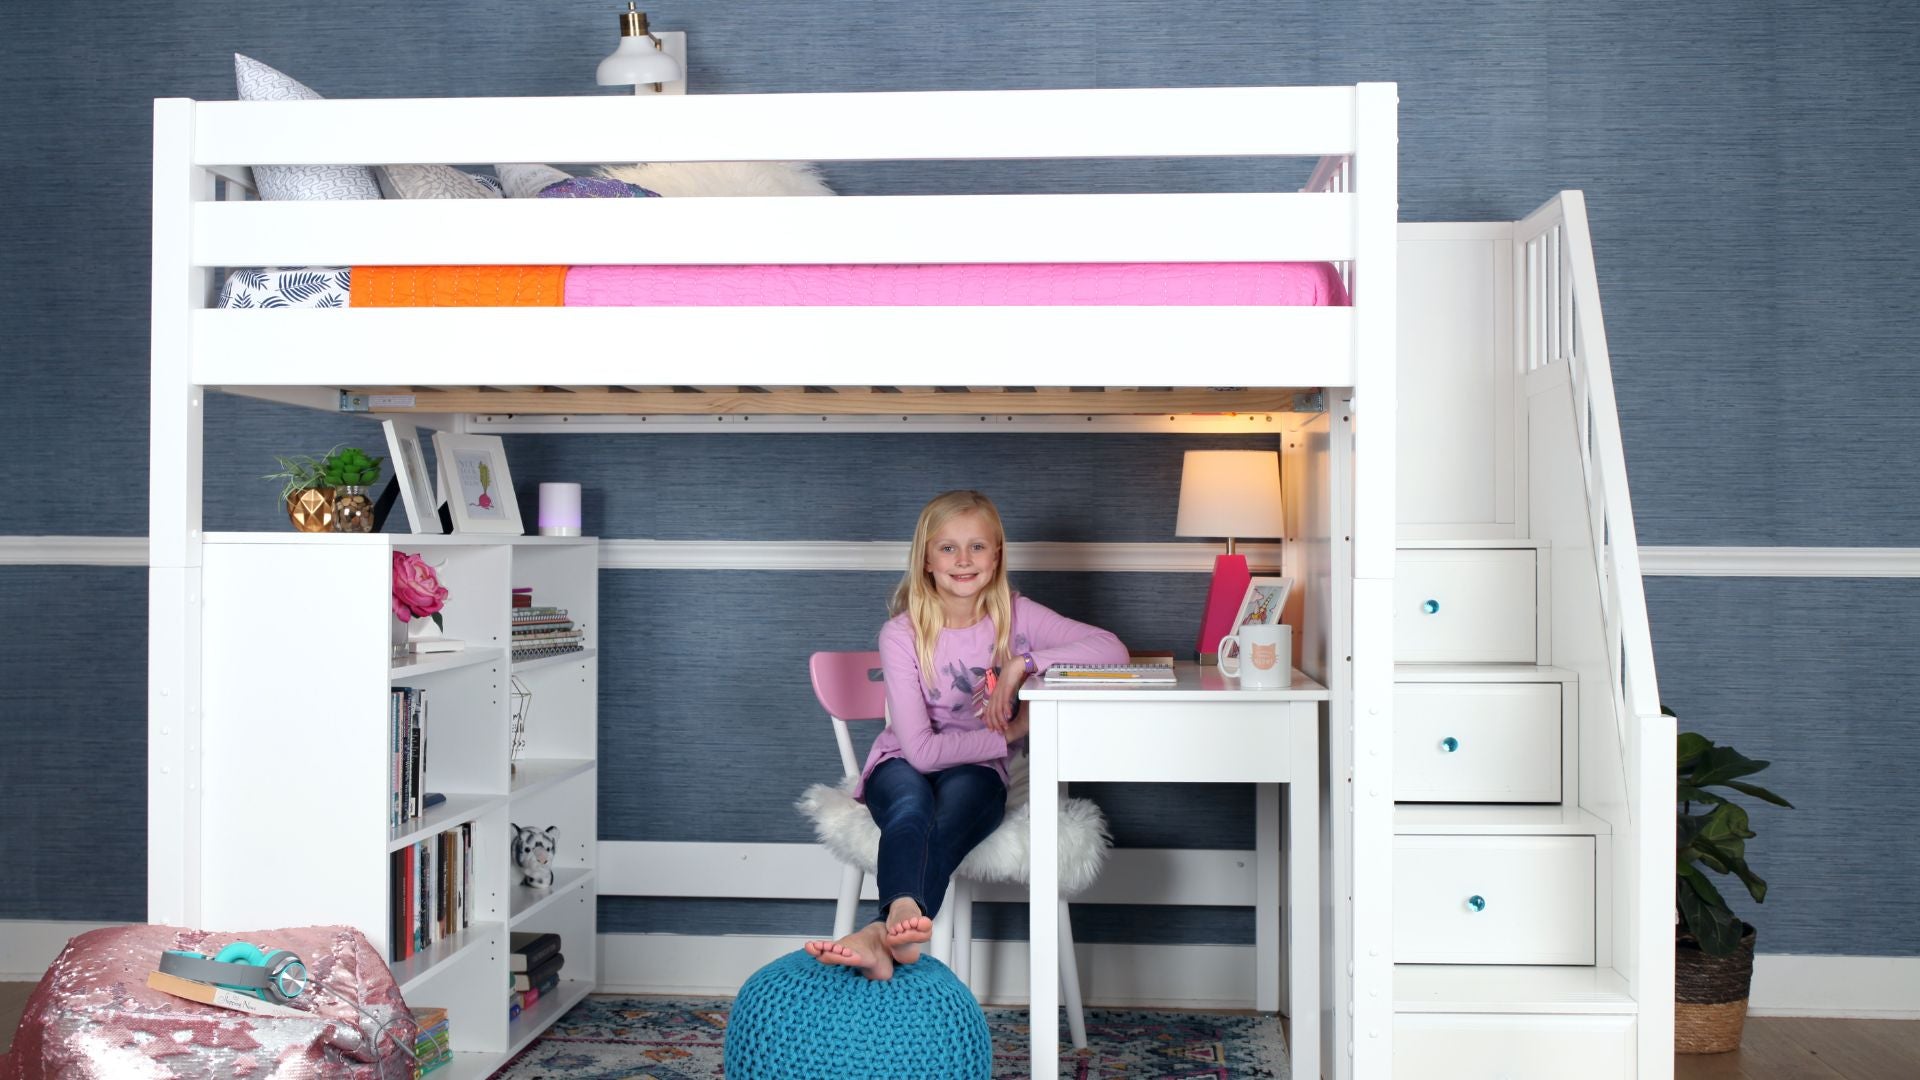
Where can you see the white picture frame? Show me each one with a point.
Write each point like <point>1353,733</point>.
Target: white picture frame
<point>409,460</point>
<point>1264,602</point>
<point>475,483</point>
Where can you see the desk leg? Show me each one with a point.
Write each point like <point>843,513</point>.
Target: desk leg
<point>1303,893</point>
<point>1266,898</point>
<point>1043,899</point>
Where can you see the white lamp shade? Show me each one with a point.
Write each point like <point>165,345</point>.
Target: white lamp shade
<point>637,61</point>
<point>559,509</point>
<point>1232,493</point>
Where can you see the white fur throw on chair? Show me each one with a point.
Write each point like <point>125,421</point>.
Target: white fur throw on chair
<point>848,830</point>
<point>710,178</point>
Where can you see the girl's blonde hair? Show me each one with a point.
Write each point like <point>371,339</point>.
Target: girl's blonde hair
<point>917,596</point>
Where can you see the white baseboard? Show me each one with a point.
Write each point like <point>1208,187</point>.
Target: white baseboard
<point>1867,987</point>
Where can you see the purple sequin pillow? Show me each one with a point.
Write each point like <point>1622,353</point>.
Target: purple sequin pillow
<point>595,187</point>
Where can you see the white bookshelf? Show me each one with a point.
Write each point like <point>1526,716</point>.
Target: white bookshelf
<point>294,757</point>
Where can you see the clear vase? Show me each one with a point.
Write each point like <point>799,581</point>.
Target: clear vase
<point>399,637</point>
<point>352,509</point>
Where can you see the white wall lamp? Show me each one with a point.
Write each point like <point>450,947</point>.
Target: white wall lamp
<point>652,63</point>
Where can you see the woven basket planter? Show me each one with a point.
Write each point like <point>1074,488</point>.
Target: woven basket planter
<point>1710,995</point>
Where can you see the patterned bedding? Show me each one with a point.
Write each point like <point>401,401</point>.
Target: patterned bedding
<point>933,285</point>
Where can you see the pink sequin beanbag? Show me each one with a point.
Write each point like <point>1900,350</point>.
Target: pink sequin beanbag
<point>93,1015</point>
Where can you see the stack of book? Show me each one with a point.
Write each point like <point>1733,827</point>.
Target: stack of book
<point>433,1047</point>
<point>431,891</point>
<point>542,631</point>
<point>535,961</point>
<point>407,747</point>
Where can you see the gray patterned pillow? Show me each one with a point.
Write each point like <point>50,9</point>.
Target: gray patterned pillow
<point>432,182</point>
<point>258,82</point>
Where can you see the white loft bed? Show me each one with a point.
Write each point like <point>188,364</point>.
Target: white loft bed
<point>1327,373</point>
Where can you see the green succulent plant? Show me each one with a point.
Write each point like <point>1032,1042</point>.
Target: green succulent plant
<point>1715,839</point>
<point>350,466</point>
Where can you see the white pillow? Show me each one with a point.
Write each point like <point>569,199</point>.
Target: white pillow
<point>698,178</point>
<point>258,82</point>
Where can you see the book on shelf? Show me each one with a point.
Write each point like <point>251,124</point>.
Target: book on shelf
<point>530,950</point>
<point>407,746</point>
<point>429,646</point>
<point>433,1046</point>
<point>431,892</point>
<point>542,976</point>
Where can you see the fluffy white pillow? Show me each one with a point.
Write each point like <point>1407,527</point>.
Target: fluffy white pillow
<point>258,82</point>
<point>707,178</point>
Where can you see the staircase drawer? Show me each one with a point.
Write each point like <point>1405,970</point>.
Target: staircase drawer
<point>1500,1046</point>
<point>1463,606</point>
<point>1476,742</point>
<point>1535,896</point>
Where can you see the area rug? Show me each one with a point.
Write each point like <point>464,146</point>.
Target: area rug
<point>649,1038</point>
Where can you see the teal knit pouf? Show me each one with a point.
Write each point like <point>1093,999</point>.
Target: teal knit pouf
<point>800,1019</point>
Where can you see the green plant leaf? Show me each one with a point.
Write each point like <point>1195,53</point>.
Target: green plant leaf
<point>438,622</point>
<point>1700,887</point>
<point>1664,711</point>
<point>1757,792</point>
<point>1727,822</point>
<point>1716,857</point>
<point>1724,763</point>
<point>1689,793</point>
<point>1716,928</point>
<point>1690,748</point>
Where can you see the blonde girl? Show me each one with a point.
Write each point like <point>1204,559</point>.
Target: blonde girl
<point>955,653</point>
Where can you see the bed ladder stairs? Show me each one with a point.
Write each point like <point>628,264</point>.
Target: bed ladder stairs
<point>1523,936</point>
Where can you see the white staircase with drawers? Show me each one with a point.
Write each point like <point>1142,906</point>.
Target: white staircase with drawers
<point>1529,828</point>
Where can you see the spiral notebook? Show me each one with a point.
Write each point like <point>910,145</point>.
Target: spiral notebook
<point>1096,674</point>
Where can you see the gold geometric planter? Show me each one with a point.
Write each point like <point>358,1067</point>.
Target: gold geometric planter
<point>311,510</point>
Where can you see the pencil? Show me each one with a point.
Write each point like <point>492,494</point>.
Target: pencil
<point>1092,675</point>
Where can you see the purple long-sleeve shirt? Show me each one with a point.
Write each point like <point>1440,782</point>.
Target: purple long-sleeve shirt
<point>935,728</point>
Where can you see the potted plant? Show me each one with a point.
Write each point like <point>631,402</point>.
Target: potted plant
<point>349,472</point>
<point>305,492</point>
<point>1713,947</point>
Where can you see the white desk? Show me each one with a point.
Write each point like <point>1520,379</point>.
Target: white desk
<point>1201,729</point>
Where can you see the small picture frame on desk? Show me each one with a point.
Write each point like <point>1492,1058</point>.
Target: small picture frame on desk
<point>1264,603</point>
<point>476,484</point>
<point>410,472</point>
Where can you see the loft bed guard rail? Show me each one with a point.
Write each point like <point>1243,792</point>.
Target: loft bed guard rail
<point>786,359</point>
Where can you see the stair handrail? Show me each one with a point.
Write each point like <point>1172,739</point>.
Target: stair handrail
<point>1563,324</point>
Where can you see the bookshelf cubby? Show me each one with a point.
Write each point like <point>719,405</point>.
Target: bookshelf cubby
<point>295,808</point>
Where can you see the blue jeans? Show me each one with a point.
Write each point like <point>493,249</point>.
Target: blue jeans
<point>928,823</point>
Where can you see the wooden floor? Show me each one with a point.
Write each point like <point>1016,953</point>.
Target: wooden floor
<point>1775,1047</point>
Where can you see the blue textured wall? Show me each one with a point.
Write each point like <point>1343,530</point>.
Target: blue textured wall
<point>1747,166</point>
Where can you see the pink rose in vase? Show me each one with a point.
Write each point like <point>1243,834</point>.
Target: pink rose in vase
<point>417,591</point>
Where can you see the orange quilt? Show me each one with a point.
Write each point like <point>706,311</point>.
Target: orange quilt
<point>458,286</point>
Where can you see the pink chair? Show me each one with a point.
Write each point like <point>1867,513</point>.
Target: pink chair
<point>850,687</point>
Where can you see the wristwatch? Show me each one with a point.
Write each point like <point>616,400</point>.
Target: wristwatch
<point>1026,658</point>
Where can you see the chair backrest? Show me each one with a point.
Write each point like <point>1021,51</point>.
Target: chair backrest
<point>850,687</point>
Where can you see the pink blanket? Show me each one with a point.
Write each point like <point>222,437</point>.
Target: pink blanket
<point>959,285</point>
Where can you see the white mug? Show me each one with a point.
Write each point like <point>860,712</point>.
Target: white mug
<point>1263,658</point>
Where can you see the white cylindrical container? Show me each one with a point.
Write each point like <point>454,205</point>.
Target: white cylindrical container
<point>559,509</point>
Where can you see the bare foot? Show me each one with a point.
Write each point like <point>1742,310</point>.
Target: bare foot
<point>862,949</point>
<point>904,938</point>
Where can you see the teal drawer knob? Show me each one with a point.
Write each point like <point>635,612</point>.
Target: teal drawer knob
<point>1431,607</point>
<point>1477,903</point>
<point>1450,744</point>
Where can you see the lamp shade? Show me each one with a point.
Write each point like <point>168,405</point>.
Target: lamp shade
<point>1231,493</point>
<point>637,60</point>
